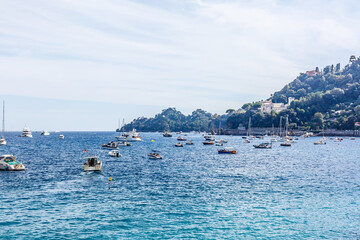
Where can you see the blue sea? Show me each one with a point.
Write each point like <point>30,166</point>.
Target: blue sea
<point>305,191</point>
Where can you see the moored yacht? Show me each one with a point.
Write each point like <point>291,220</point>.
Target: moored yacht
<point>8,163</point>
<point>110,145</point>
<point>167,134</point>
<point>132,136</point>
<point>26,132</point>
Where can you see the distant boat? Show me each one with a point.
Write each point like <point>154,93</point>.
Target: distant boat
<point>227,151</point>
<point>189,142</point>
<point>132,136</point>
<point>2,139</point>
<point>180,138</point>
<point>110,145</point>
<point>263,145</point>
<point>208,143</point>
<point>320,142</point>
<point>45,133</point>
<point>61,136</point>
<point>178,145</point>
<point>114,153</point>
<point>167,134</point>
<point>155,155</point>
<point>26,132</point>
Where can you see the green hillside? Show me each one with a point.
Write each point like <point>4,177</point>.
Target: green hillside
<point>327,98</point>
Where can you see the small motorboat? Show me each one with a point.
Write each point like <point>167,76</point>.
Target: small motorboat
<point>167,134</point>
<point>227,151</point>
<point>263,145</point>
<point>2,141</point>
<point>124,144</point>
<point>180,138</point>
<point>352,138</point>
<point>247,141</point>
<point>155,155</point>
<point>114,153</point>
<point>92,163</point>
<point>285,144</point>
<point>61,136</point>
<point>321,142</point>
<point>8,163</point>
<point>189,142</point>
<point>219,144</point>
<point>221,141</point>
<point>45,133</point>
<point>209,138</point>
<point>110,145</point>
<point>178,145</point>
<point>208,143</point>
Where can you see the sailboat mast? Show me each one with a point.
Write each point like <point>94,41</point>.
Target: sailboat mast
<point>249,126</point>
<point>280,135</point>
<point>3,121</point>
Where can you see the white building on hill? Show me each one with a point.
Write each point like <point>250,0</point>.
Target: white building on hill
<point>268,106</point>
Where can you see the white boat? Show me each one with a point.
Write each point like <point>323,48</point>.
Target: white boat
<point>189,142</point>
<point>45,133</point>
<point>114,153</point>
<point>26,132</point>
<point>221,141</point>
<point>2,139</point>
<point>132,136</point>
<point>178,145</point>
<point>124,144</point>
<point>92,163</point>
<point>61,136</point>
<point>320,142</point>
<point>8,163</point>
<point>181,138</point>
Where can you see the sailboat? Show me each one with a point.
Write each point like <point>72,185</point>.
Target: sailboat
<point>247,140</point>
<point>2,139</point>
<point>286,143</point>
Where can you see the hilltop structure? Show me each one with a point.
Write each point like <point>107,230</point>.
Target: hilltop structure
<point>268,106</point>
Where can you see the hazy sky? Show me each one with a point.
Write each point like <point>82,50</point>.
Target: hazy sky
<point>81,65</point>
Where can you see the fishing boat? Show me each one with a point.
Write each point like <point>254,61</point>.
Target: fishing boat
<point>208,143</point>
<point>263,145</point>
<point>155,155</point>
<point>227,151</point>
<point>45,133</point>
<point>92,163</point>
<point>8,163</point>
<point>26,132</point>
<point>180,138</point>
<point>167,134</point>
<point>178,145</point>
<point>2,139</point>
<point>114,153</point>
<point>189,142</point>
<point>110,145</point>
<point>61,136</point>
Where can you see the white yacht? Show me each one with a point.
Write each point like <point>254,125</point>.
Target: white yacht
<point>26,132</point>
<point>132,136</point>
<point>2,139</point>
<point>114,153</point>
<point>8,163</point>
<point>92,163</point>
<point>61,136</point>
<point>45,133</point>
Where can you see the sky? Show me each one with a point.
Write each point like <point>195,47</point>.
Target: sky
<point>82,65</point>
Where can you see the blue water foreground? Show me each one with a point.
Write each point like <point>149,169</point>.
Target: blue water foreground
<point>305,191</point>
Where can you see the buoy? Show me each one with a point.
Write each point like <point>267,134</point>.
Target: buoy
<point>109,182</point>
<point>153,140</point>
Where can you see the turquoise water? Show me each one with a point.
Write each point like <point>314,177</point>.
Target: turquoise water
<point>301,192</point>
